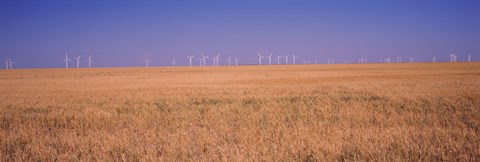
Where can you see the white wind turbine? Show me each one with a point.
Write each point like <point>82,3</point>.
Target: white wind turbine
<point>10,62</point>
<point>66,61</point>
<point>78,60</point>
<point>147,60</point>
<point>278,59</point>
<point>173,62</point>
<point>236,61</point>
<point>469,56</point>
<point>203,59</point>
<point>89,61</point>
<point>330,61</point>
<point>190,59</point>
<point>451,57</point>
<point>216,59</point>
<point>286,59</point>
<point>434,59</point>
<point>270,59</point>
<point>294,59</point>
<point>229,60</point>
<point>260,59</point>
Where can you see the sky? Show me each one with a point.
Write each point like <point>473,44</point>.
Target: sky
<point>117,33</point>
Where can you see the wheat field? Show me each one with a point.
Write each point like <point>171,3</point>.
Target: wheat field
<point>368,112</point>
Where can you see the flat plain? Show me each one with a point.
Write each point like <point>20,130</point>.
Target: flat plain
<point>367,112</point>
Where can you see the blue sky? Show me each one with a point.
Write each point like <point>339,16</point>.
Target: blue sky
<point>37,34</point>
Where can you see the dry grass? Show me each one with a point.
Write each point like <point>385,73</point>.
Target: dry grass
<point>386,112</point>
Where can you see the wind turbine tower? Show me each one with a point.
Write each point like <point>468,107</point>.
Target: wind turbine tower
<point>190,59</point>
<point>294,59</point>
<point>66,61</point>
<point>146,62</point>
<point>216,59</point>
<point>78,60</point>
<point>10,63</point>
<point>173,62</point>
<point>286,59</point>
<point>260,59</point>
<point>203,59</point>
<point>469,56</point>
<point>270,59</point>
<point>236,61</point>
<point>89,61</point>
<point>229,60</point>
<point>278,59</point>
<point>434,59</point>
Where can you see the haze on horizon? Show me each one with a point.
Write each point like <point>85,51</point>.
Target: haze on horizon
<point>37,34</point>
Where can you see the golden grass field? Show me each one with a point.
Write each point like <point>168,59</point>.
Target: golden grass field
<point>369,112</point>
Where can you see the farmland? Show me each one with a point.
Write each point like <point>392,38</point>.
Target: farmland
<point>375,112</point>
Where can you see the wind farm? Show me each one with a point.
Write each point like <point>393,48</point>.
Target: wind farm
<point>240,80</point>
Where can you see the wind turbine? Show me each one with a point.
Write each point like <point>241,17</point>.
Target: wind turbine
<point>469,56</point>
<point>260,59</point>
<point>294,58</point>
<point>10,62</point>
<point>89,61</point>
<point>229,60</point>
<point>269,59</point>
<point>451,57</point>
<point>173,62</point>
<point>434,58</point>
<point>190,59</point>
<point>66,61</point>
<point>278,59</point>
<point>236,61</point>
<point>78,60</point>
<point>203,59</point>
<point>147,60</point>
<point>286,59</point>
<point>216,59</point>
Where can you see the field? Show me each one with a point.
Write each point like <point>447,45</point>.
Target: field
<point>374,112</point>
